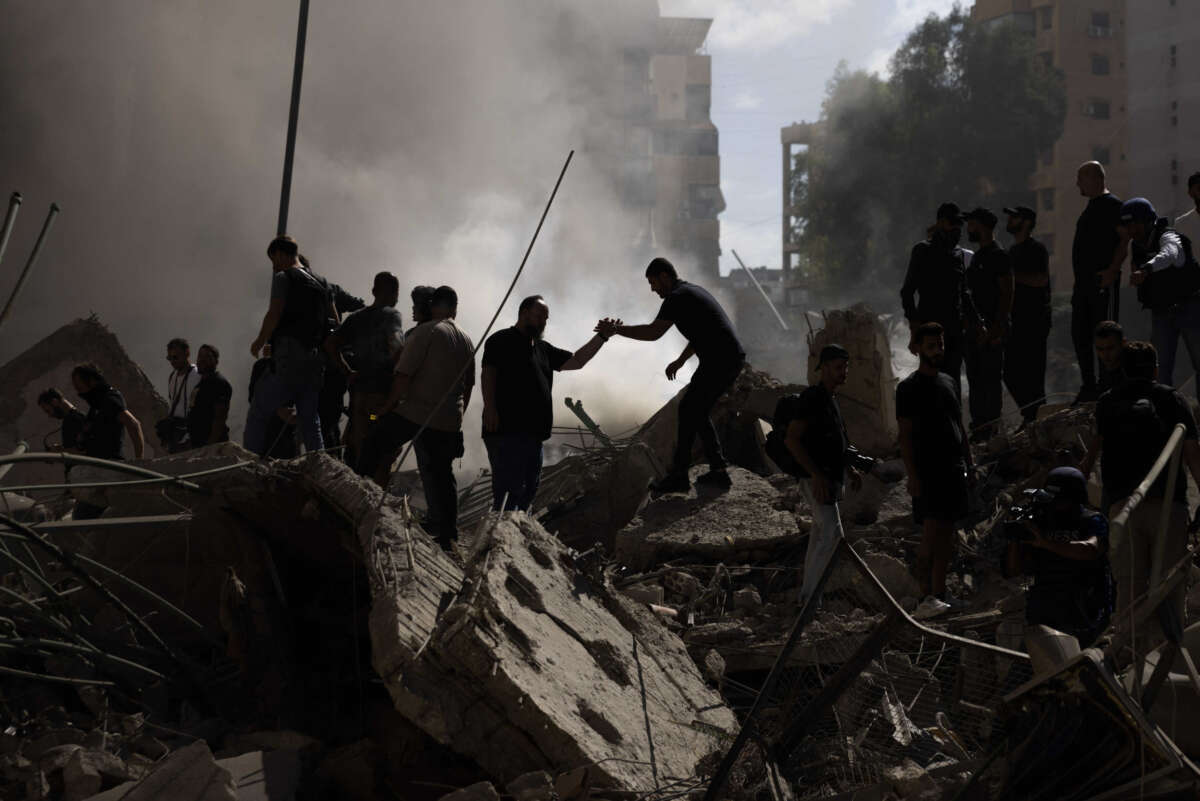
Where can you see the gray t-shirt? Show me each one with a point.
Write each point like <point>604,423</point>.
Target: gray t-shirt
<point>435,356</point>
<point>373,336</point>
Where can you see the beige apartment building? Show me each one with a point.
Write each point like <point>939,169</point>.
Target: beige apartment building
<point>1086,40</point>
<point>1163,46</point>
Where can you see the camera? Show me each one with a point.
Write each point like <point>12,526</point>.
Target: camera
<point>1033,510</point>
<point>859,460</point>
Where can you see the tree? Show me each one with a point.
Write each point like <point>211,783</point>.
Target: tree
<point>962,117</point>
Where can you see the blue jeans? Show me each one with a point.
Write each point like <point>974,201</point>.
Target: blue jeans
<point>516,461</point>
<point>296,379</point>
<point>1168,325</point>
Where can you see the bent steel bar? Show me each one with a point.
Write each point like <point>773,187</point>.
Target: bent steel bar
<point>33,255</point>
<point>74,458</point>
<point>10,219</point>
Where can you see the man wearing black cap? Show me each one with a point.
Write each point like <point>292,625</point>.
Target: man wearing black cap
<point>1096,255</point>
<point>1065,549</point>
<point>1167,278</point>
<point>990,282</point>
<point>935,289</point>
<point>1025,352</point>
<point>816,439</point>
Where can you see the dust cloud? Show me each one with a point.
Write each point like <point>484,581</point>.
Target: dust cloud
<point>430,136</point>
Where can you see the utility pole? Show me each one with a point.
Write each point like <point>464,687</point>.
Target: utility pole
<point>289,152</point>
<point>762,291</point>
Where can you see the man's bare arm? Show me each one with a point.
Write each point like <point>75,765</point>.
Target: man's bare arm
<point>582,356</point>
<point>400,384</point>
<point>645,333</point>
<point>269,324</point>
<point>134,429</point>
<point>333,346</point>
<point>220,419</point>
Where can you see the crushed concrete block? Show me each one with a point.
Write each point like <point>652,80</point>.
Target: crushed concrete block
<point>714,667</point>
<point>264,776</point>
<point>480,791</point>
<point>683,583</point>
<point>894,575</point>
<point>747,598</point>
<point>189,773</point>
<point>719,527</point>
<point>911,781</point>
<point>645,593</point>
<point>535,667</point>
<point>352,770</point>
<point>80,778</point>
<point>534,786</point>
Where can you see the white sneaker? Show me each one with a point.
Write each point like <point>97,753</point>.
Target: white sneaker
<point>930,607</point>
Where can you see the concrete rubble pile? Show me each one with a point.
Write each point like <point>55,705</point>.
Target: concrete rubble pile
<point>280,630</point>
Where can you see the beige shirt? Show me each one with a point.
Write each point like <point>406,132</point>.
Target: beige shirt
<point>434,356</point>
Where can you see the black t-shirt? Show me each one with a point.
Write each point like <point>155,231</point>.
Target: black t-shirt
<point>372,335</point>
<point>824,432</point>
<point>931,403</point>
<point>934,286</point>
<point>72,427</point>
<point>103,434</point>
<point>1030,303</point>
<point>1096,239</point>
<point>989,266</point>
<point>1135,434</point>
<point>212,389</point>
<point>524,379</point>
<point>702,322</point>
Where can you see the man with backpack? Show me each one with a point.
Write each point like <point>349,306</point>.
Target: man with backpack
<point>1134,420</point>
<point>1167,278</point>
<point>295,325</point>
<point>809,441</point>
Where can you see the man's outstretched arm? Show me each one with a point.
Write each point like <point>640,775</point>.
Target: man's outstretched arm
<point>646,333</point>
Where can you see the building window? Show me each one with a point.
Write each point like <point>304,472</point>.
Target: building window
<point>1097,109</point>
<point>697,102</point>
<point>704,202</point>
<point>1046,198</point>
<point>1174,121</point>
<point>1101,27</point>
<point>1047,57</point>
<point>685,142</point>
<point>1100,64</point>
<point>1046,17</point>
<point>1172,59</point>
<point>1101,154</point>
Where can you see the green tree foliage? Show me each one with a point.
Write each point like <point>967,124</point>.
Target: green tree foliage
<point>962,117</point>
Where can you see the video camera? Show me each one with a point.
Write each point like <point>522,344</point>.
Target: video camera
<point>859,460</point>
<point>1034,509</point>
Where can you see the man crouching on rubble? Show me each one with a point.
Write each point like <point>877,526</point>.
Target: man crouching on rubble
<point>1063,544</point>
<point>815,437</point>
<point>938,460</point>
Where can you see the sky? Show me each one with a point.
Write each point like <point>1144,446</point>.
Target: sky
<point>770,62</point>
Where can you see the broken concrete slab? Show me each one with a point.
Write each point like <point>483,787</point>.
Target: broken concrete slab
<point>736,526</point>
<point>533,666</point>
<point>191,773</point>
<point>480,791</point>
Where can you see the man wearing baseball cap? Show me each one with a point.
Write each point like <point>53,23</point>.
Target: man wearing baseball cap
<point>990,281</point>
<point>1025,351</point>
<point>1167,278</point>
<point>935,288</point>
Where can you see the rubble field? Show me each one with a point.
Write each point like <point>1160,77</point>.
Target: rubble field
<point>233,628</point>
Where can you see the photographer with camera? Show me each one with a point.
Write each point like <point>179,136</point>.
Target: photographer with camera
<point>808,440</point>
<point>1063,544</point>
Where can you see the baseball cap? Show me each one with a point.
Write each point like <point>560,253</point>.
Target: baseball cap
<point>980,214</point>
<point>1021,212</point>
<point>831,353</point>
<point>1138,209</point>
<point>949,211</point>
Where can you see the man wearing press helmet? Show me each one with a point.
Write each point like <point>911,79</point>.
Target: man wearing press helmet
<point>1061,542</point>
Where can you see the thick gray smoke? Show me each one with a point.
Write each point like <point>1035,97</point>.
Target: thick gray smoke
<point>430,135</point>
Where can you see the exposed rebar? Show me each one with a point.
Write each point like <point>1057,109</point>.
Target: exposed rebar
<point>10,219</point>
<point>33,256</point>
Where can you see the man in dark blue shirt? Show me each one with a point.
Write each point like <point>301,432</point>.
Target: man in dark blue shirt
<point>518,411</point>
<point>710,336</point>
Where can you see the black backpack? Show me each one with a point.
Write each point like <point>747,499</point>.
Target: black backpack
<point>1142,428</point>
<point>786,410</point>
<point>307,309</point>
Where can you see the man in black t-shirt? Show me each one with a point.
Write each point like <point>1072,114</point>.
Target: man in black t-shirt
<point>990,281</point>
<point>1096,255</point>
<point>518,411</point>
<point>938,460</point>
<point>108,419</point>
<point>1025,351</point>
<point>55,404</point>
<point>710,336</point>
<point>208,408</point>
<point>816,438</point>
<point>1133,423</point>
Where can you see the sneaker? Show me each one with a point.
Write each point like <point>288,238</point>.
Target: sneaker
<point>930,607</point>
<point>715,478</point>
<point>671,482</point>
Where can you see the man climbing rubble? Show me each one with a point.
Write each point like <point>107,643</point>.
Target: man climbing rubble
<point>938,460</point>
<point>103,436</point>
<point>71,420</point>
<point>1133,423</point>
<point>811,429</point>
<point>294,325</point>
<point>710,336</point>
<point>518,413</point>
<point>1064,546</point>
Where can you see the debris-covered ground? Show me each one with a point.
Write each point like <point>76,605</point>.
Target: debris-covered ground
<point>253,630</point>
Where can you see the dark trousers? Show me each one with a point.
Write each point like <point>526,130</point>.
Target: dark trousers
<point>1089,308</point>
<point>708,383</point>
<point>1025,365</point>
<point>985,369</point>
<point>331,404</point>
<point>516,461</point>
<point>435,451</point>
<point>953,360</point>
<point>1168,326</point>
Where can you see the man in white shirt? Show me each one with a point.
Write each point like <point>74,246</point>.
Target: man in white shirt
<point>180,384</point>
